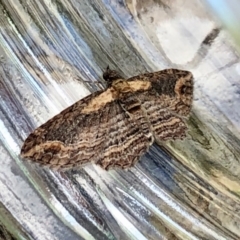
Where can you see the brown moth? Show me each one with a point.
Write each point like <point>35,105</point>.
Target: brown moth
<point>115,127</point>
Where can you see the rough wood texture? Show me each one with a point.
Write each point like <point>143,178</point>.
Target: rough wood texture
<point>115,127</point>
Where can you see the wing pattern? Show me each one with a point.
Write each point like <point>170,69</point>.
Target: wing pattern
<point>167,103</point>
<point>115,127</point>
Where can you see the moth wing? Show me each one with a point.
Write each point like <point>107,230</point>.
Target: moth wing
<point>167,102</point>
<point>69,139</point>
<point>173,87</point>
<point>80,134</point>
<point>128,137</point>
<point>165,124</point>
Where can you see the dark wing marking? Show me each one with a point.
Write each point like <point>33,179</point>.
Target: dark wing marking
<point>168,102</point>
<point>174,88</point>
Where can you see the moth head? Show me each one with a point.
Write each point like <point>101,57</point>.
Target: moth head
<point>111,75</point>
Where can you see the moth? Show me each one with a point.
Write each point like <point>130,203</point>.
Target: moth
<point>116,126</point>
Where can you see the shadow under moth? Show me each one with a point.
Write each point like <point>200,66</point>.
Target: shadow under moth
<point>116,126</point>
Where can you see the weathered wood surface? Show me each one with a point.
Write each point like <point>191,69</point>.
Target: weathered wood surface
<point>53,54</point>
